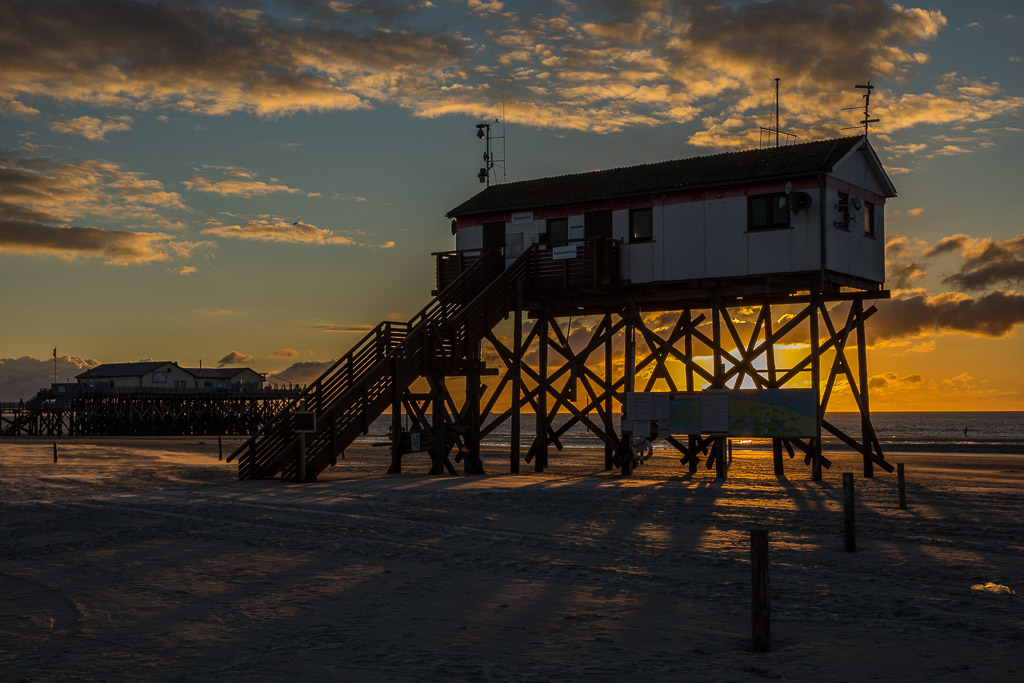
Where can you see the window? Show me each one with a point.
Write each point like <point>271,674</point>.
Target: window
<point>558,230</point>
<point>843,209</point>
<point>768,211</point>
<point>159,378</point>
<point>641,225</point>
<point>597,224</point>
<point>869,219</point>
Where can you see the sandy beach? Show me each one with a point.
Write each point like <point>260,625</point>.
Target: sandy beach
<point>147,559</point>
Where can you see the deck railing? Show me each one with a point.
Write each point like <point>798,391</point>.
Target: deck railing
<point>589,264</point>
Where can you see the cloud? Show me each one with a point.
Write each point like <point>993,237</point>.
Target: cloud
<point>44,190</point>
<point>22,111</point>
<point>214,311</point>
<point>953,243</point>
<point>117,247</point>
<point>92,128</point>
<point>271,230</point>
<point>21,378</point>
<point>889,382</point>
<point>350,327</point>
<point>990,262</point>
<point>266,228</point>
<point>595,66</point>
<point>240,183</point>
<point>285,353</point>
<point>304,372</point>
<point>185,270</point>
<point>234,358</point>
<point>994,314</point>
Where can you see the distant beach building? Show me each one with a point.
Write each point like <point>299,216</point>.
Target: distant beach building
<point>168,375</point>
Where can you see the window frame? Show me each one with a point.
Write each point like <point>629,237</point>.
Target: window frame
<point>870,229</point>
<point>547,229</point>
<point>772,207</point>
<point>843,209</point>
<point>633,213</point>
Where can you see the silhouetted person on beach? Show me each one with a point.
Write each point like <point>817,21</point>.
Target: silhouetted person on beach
<point>965,432</point>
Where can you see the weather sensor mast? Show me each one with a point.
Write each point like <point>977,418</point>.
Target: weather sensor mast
<point>487,172</point>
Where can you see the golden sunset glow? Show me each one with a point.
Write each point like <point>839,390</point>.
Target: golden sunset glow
<point>262,183</point>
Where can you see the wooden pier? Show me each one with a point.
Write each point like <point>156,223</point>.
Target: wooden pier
<point>77,410</point>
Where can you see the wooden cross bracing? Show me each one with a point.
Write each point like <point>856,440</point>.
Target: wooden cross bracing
<point>564,376</point>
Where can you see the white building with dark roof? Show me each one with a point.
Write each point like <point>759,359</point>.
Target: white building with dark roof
<point>813,210</point>
<point>168,375</point>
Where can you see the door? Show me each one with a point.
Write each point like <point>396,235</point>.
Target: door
<point>494,235</point>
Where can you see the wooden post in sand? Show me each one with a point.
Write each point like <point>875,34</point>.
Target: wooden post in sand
<point>760,594</point>
<point>849,537</point>
<point>220,448</point>
<point>900,483</point>
<point>55,452</point>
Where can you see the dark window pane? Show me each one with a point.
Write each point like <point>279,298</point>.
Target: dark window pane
<point>869,219</point>
<point>758,212</point>
<point>597,224</point>
<point>558,229</point>
<point>640,225</point>
<point>780,210</point>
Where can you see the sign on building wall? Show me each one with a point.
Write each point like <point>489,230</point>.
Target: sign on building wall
<point>563,253</point>
<point>522,217</point>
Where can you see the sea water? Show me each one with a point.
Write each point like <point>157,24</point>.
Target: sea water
<point>910,427</point>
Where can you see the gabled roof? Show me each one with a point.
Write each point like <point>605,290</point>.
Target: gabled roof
<point>123,369</point>
<point>775,163</point>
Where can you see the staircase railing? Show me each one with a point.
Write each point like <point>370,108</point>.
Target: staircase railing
<point>360,385</point>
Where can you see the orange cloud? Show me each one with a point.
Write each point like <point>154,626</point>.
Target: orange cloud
<point>274,229</point>
<point>285,353</point>
<point>118,247</point>
<point>234,357</point>
<point>92,128</point>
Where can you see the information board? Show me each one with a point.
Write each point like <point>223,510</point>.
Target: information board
<point>744,412</point>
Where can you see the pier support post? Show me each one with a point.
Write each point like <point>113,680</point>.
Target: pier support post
<point>816,384</point>
<point>629,369</point>
<point>517,380</point>
<point>396,423</point>
<point>862,371</point>
<point>609,451</point>
<point>718,449</point>
<point>540,455</point>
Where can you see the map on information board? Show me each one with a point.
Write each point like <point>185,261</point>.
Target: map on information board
<point>773,412</point>
<point>684,414</point>
<point>745,412</point>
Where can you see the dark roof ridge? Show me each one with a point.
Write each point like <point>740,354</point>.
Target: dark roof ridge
<point>836,140</point>
<point>709,170</point>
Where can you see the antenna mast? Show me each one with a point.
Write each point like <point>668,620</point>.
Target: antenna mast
<point>776,107</point>
<point>867,109</point>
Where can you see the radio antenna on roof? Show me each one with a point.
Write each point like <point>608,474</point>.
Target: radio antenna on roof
<point>866,107</point>
<point>776,130</point>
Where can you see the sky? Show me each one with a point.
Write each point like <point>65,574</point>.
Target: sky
<point>260,183</point>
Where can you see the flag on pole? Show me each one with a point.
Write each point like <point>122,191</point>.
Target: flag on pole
<point>55,353</point>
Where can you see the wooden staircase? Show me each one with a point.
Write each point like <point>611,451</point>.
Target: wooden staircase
<point>357,388</point>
